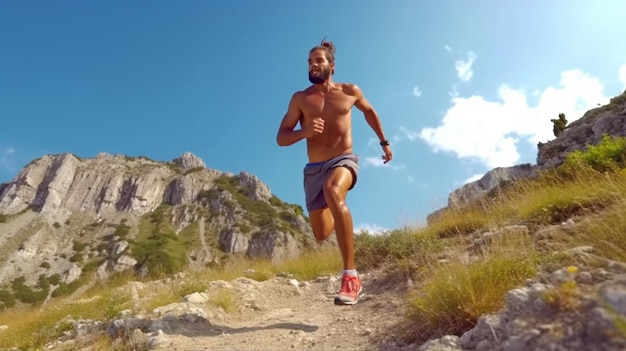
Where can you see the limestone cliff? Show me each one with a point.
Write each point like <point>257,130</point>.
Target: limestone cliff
<point>72,218</point>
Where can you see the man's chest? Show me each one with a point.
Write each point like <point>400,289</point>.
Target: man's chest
<point>327,106</point>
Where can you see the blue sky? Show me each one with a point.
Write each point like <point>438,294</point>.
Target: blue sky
<point>461,86</point>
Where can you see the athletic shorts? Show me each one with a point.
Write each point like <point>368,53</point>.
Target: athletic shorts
<point>316,173</point>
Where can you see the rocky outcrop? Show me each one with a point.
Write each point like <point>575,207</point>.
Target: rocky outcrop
<point>492,180</point>
<point>103,184</point>
<point>87,209</point>
<point>255,188</point>
<point>588,130</point>
<point>189,161</point>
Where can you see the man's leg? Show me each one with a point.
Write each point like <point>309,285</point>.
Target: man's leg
<point>335,191</point>
<point>336,188</point>
<point>322,223</point>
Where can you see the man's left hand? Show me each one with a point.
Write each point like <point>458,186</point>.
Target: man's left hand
<point>388,154</point>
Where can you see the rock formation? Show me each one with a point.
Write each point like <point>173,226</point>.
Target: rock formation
<point>105,212</point>
<point>588,130</point>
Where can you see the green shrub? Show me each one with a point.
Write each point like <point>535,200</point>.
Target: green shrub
<point>3,218</point>
<point>78,246</point>
<point>6,299</point>
<point>157,247</point>
<point>122,230</point>
<point>54,279</point>
<point>608,155</point>
<point>25,293</point>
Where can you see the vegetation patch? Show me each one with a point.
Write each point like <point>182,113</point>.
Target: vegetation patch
<point>373,250</point>
<point>456,295</point>
<point>608,155</point>
<point>157,247</point>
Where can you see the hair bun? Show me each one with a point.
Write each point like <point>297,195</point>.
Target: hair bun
<point>328,44</point>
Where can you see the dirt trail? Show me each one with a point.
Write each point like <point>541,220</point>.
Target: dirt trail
<point>282,314</point>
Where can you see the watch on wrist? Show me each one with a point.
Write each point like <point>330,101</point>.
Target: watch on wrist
<point>384,143</point>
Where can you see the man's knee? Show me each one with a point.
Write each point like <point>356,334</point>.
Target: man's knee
<point>336,187</point>
<point>332,190</point>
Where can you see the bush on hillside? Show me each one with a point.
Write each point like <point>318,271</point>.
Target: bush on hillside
<point>3,218</point>
<point>608,155</point>
<point>6,300</point>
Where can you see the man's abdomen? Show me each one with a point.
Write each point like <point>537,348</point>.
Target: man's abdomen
<point>319,150</point>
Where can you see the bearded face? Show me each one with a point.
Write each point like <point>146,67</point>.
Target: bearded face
<point>319,74</point>
<point>320,69</point>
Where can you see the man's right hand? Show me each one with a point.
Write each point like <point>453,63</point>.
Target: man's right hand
<point>315,128</point>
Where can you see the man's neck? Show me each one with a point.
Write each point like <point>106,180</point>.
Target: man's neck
<point>325,86</point>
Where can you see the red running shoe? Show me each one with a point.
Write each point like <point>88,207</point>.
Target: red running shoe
<point>350,290</point>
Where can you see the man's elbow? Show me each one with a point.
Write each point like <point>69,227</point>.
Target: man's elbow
<point>280,140</point>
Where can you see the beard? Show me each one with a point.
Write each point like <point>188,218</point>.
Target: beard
<point>321,78</point>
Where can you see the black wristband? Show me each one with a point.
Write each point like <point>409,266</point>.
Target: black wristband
<point>384,143</point>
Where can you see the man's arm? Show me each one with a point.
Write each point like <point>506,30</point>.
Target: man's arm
<point>368,111</point>
<point>286,134</point>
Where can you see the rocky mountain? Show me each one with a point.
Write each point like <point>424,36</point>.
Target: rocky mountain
<point>65,220</point>
<point>609,119</point>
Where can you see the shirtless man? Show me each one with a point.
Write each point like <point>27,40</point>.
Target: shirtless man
<point>324,112</point>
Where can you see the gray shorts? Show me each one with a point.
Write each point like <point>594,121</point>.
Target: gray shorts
<point>315,175</point>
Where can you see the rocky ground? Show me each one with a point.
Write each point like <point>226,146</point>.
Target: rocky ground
<point>276,314</point>
<point>587,313</point>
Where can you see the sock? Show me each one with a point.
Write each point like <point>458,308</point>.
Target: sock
<point>350,272</point>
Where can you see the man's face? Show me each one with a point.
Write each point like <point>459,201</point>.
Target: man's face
<point>319,67</point>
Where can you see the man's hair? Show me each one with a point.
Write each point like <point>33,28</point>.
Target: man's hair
<point>328,47</point>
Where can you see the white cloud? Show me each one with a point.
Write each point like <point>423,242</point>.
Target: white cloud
<point>406,133</point>
<point>489,131</point>
<point>447,47</point>
<point>622,75</point>
<point>416,91</point>
<point>464,68</point>
<point>410,179</point>
<point>370,228</point>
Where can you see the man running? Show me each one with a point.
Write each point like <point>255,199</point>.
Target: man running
<point>324,112</point>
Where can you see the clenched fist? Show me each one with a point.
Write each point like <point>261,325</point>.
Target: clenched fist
<point>315,128</point>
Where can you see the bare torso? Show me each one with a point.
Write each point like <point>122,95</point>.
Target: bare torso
<point>335,108</point>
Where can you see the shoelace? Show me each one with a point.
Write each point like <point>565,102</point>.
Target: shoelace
<point>348,284</point>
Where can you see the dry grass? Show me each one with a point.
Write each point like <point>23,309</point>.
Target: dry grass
<point>224,299</point>
<point>452,296</point>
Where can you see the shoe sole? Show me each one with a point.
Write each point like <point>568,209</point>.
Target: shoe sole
<point>338,301</point>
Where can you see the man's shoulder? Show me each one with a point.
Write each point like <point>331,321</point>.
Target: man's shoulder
<point>298,94</point>
<point>351,89</point>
